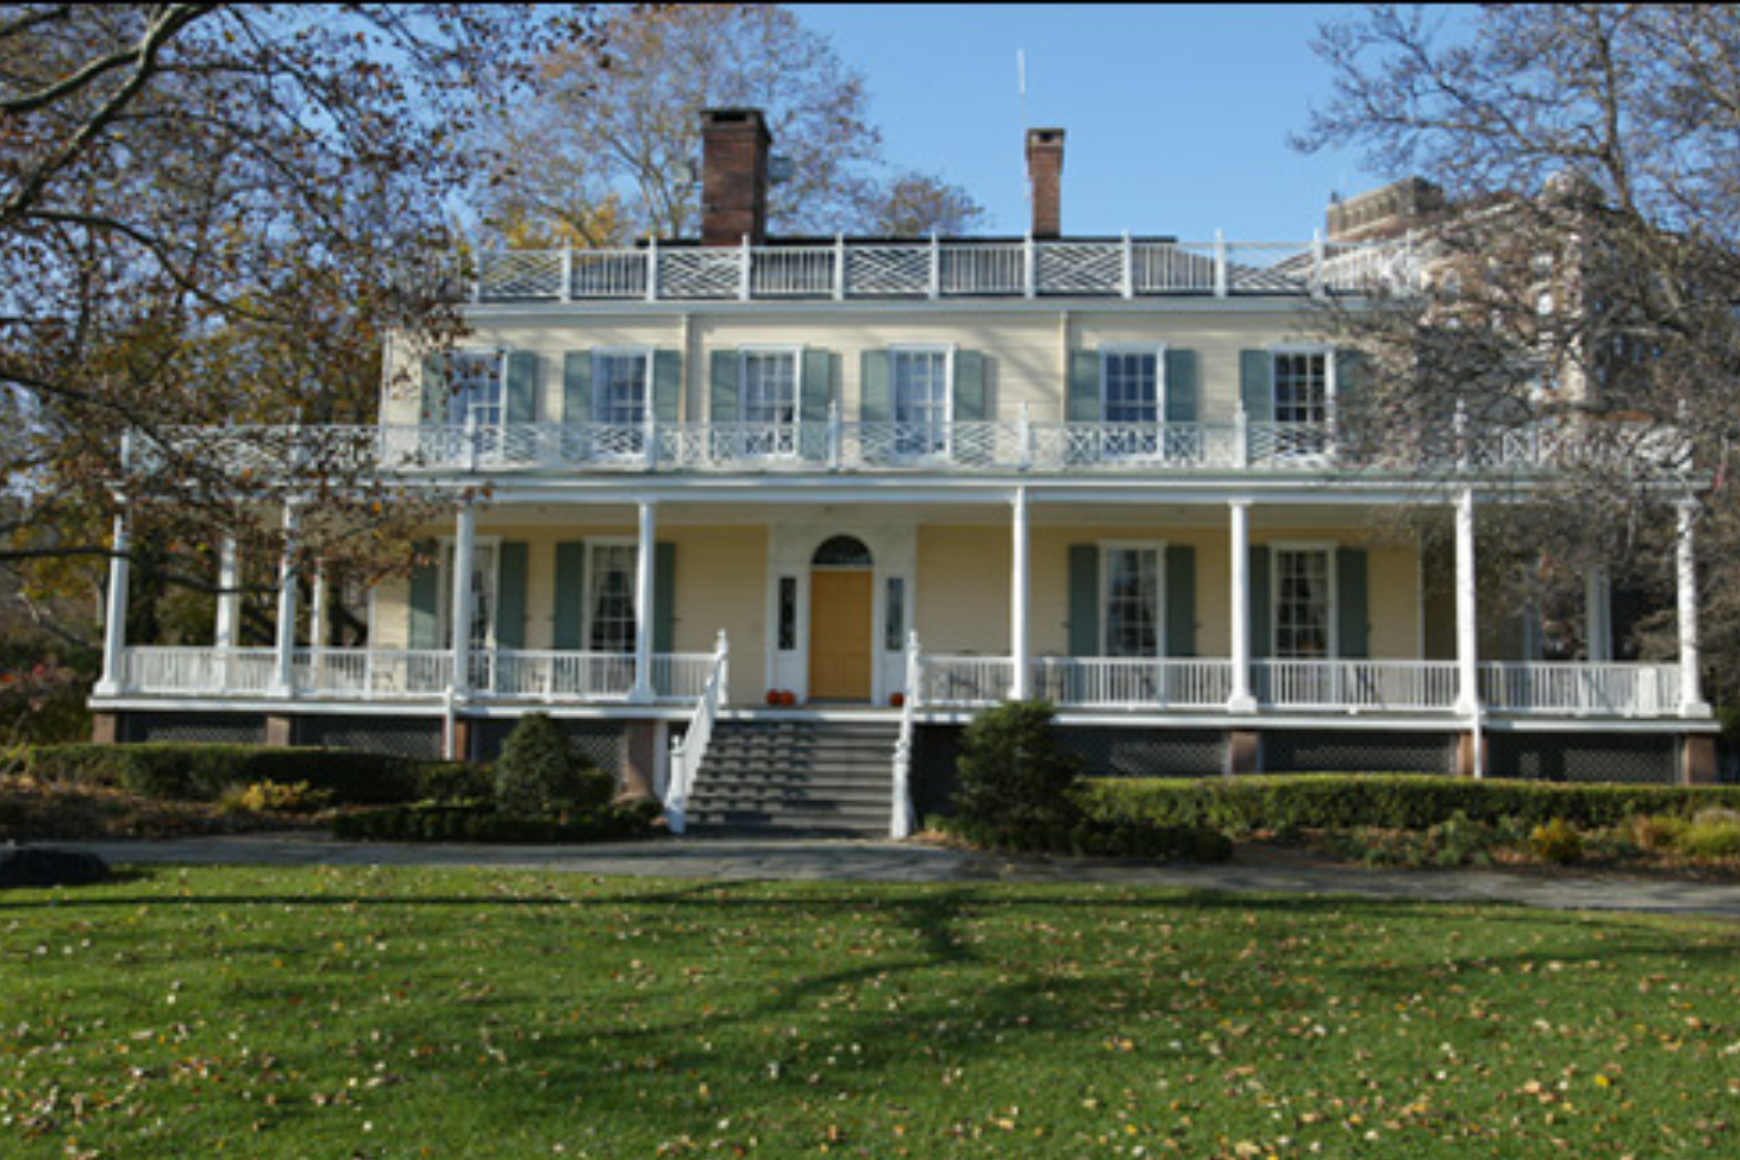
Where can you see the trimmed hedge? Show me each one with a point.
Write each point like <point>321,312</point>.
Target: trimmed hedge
<point>1096,838</point>
<point>481,823</point>
<point>1386,801</point>
<point>187,772</point>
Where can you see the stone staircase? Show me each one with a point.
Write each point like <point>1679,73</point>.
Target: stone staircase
<point>825,778</point>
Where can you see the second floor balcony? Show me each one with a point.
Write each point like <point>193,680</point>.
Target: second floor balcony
<point>834,445</point>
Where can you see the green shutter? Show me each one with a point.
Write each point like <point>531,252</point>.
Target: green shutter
<point>722,403</point>
<point>1180,601</point>
<point>664,597</point>
<point>426,599</point>
<point>436,393</point>
<point>1084,600</point>
<point>818,385</point>
<point>1352,632</point>
<point>522,387</point>
<point>667,384</point>
<point>570,594</point>
<point>577,387</point>
<point>1180,386</point>
<point>969,402</point>
<point>1256,385</point>
<point>1260,631</point>
<point>510,597</point>
<point>1352,370</point>
<point>1084,387</point>
<point>874,393</point>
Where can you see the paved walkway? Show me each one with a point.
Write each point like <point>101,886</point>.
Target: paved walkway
<point>742,859</point>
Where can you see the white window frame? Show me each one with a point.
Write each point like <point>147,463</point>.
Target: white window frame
<point>1329,548</point>
<point>444,594</point>
<point>1106,548</point>
<point>461,408</point>
<point>946,449</point>
<point>593,544</point>
<point>1124,446</point>
<point>782,448</point>
<point>1311,450</point>
<point>627,440</point>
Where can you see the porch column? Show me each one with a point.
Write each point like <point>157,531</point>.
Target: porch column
<point>1467,609</point>
<point>1598,614</point>
<point>643,604</point>
<point>317,613</point>
<point>1692,703</point>
<point>115,610</point>
<point>1241,700</point>
<point>1020,687</point>
<point>229,601</point>
<point>284,666</point>
<point>464,550</point>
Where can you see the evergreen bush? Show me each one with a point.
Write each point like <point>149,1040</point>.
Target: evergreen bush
<point>1012,772</point>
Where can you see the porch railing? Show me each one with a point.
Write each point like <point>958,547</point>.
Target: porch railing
<point>1124,682</point>
<point>1404,686</point>
<point>1605,690</point>
<point>850,270</point>
<point>839,445</point>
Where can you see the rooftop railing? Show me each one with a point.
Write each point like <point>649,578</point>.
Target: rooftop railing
<point>940,269</point>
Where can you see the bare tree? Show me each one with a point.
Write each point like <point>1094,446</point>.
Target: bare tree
<point>211,215</point>
<point>612,151</point>
<point>1580,279</point>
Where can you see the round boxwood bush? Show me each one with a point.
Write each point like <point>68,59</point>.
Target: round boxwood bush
<point>534,766</point>
<point>1012,772</point>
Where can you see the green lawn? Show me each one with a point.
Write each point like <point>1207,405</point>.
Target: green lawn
<point>337,1013</point>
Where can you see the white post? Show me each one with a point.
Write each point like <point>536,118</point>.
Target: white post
<point>1241,438</point>
<point>745,282</point>
<point>722,654</point>
<point>835,435</point>
<point>567,273</point>
<point>652,269</point>
<point>1692,703</point>
<point>1020,687</point>
<point>914,677</point>
<point>115,611</point>
<point>1220,273</point>
<point>229,601</point>
<point>284,667</point>
<point>1030,268</point>
<point>317,616</point>
<point>935,265</point>
<point>839,267</point>
<point>1024,437</point>
<point>464,551</point>
<point>1598,614</point>
<point>1467,612</point>
<point>1241,700</point>
<point>642,692</point>
<point>1129,271</point>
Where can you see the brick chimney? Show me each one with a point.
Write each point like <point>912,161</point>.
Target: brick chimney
<point>734,149</point>
<point>1045,178</point>
<point>1389,212</point>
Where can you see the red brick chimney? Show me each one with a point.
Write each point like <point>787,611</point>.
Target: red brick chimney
<point>1045,177</point>
<point>734,149</point>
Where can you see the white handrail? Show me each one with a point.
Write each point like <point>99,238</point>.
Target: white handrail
<point>687,754</point>
<point>900,817</point>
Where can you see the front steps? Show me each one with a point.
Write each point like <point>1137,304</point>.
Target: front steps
<point>825,778</point>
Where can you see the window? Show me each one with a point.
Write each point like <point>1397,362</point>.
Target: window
<point>1302,387</point>
<point>920,380</point>
<point>477,388</point>
<point>894,615</point>
<point>619,401</point>
<point>1132,399</point>
<point>788,604</point>
<point>770,402</point>
<point>483,590</point>
<point>1132,600</point>
<point>1302,603</point>
<point>610,577</point>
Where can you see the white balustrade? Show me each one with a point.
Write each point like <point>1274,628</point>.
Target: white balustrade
<point>198,670</point>
<point>690,750</point>
<point>1578,690</point>
<point>1132,682</point>
<point>963,681</point>
<point>1392,686</point>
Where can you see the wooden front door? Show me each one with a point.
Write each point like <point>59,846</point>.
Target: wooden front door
<point>840,625</point>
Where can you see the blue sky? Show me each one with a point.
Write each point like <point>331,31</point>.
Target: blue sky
<point>1177,115</point>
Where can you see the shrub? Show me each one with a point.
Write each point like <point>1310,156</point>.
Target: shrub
<point>536,769</point>
<point>453,781</point>
<point>183,772</point>
<point>1557,842</point>
<point>1712,834</point>
<point>1012,772</point>
<point>1387,801</point>
<point>1160,843</point>
<point>1657,833</point>
<point>481,823</point>
<point>297,798</point>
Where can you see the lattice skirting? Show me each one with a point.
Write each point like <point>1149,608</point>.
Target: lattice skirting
<point>195,728</point>
<point>599,743</point>
<point>1113,752</point>
<point>419,737</point>
<point>1338,751</point>
<point>1641,760</point>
